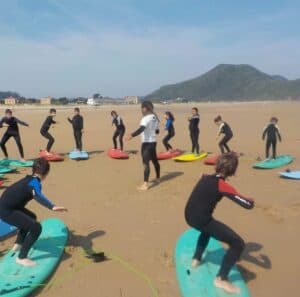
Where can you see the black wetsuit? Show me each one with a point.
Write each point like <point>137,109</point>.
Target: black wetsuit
<point>171,133</point>
<point>194,133</point>
<point>272,132</point>
<point>13,210</point>
<point>119,132</point>
<point>12,131</point>
<point>199,215</point>
<point>77,123</point>
<point>226,130</point>
<point>44,131</point>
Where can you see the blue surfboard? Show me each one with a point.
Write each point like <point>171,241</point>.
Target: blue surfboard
<point>77,155</point>
<point>199,282</point>
<point>20,281</point>
<point>6,229</point>
<point>290,174</point>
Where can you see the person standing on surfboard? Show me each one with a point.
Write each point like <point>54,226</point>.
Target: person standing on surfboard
<point>194,121</point>
<point>45,129</point>
<point>149,128</point>
<point>120,130</point>
<point>170,129</point>
<point>14,212</point>
<point>199,215</point>
<point>77,124</point>
<point>225,129</point>
<point>271,131</point>
<point>11,123</point>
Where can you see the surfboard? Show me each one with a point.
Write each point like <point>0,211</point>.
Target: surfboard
<point>6,229</point>
<point>290,174</point>
<point>117,154</point>
<point>52,157</point>
<point>169,154</point>
<point>274,163</point>
<point>211,160</point>
<point>76,155</point>
<point>189,157</point>
<point>199,282</point>
<point>19,281</point>
<point>6,169</point>
<point>15,163</point>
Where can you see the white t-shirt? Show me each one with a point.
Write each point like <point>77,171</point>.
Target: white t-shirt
<point>151,124</point>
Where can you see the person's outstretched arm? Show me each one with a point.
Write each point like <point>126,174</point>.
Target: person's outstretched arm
<point>265,133</point>
<point>22,123</point>
<point>225,189</point>
<point>38,195</point>
<point>70,120</point>
<point>137,132</point>
<point>278,133</point>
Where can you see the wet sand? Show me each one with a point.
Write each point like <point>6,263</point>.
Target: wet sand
<point>139,230</point>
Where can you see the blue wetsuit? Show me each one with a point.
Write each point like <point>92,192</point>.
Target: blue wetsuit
<point>13,210</point>
<point>171,133</point>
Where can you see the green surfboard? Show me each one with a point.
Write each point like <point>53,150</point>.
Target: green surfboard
<point>19,281</point>
<point>274,163</point>
<point>15,163</point>
<point>4,170</point>
<point>199,282</point>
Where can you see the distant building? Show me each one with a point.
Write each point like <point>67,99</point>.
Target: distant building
<point>10,101</point>
<point>131,99</point>
<point>46,101</point>
<point>93,101</point>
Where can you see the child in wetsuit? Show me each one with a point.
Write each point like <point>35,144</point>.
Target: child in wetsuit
<point>45,129</point>
<point>14,212</point>
<point>77,123</point>
<point>194,130</point>
<point>225,129</point>
<point>170,129</point>
<point>120,130</point>
<point>199,215</point>
<point>149,128</point>
<point>271,132</point>
<point>11,123</point>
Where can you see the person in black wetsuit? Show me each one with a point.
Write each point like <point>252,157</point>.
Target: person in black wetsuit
<point>11,123</point>
<point>149,128</point>
<point>14,212</point>
<point>77,123</point>
<point>272,133</point>
<point>170,129</point>
<point>225,129</point>
<point>45,129</point>
<point>202,202</point>
<point>194,121</point>
<point>120,130</point>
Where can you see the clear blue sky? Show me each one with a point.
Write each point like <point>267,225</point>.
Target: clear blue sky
<point>123,47</point>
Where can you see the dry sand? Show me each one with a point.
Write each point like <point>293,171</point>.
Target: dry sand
<point>107,213</point>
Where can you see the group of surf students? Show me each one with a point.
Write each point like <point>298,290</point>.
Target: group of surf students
<point>207,193</point>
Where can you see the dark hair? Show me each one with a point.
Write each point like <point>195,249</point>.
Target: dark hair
<point>170,115</point>
<point>148,105</point>
<point>77,109</point>
<point>113,112</point>
<point>274,119</point>
<point>52,110</point>
<point>196,109</point>
<point>8,111</point>
<point>218,119</point>
<point>227,164</point>
<point>41,166</point>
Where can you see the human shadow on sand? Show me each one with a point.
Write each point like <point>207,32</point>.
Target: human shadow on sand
<point>165,178</point>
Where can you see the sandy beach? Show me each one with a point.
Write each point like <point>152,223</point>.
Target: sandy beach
<point>138,231</point>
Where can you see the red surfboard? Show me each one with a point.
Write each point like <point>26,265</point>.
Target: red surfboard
<point>169,154</point>
<point>117,154</point>
<point>51,157</point>
<point>1,182</point>
<point>211,160</point>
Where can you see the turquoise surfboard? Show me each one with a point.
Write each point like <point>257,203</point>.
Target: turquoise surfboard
<point>6,229</point>
<point>274,163</point>
<point>15,163</point>
<point>6,169</point>
<point>19,281</point>
<point>199,282</point>
<point>290,174</point>
<point>76,155</point>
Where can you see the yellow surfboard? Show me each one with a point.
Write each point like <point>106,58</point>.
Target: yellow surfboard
<point>190,157</point>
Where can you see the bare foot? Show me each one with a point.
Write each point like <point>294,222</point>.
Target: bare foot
<point>195,263</point>
<point>143,187</point>
<point>16,247</point>
<point>23,160</point>
<point>226,286</point>
<point>25,262</point>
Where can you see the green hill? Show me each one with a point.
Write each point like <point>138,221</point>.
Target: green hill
<point>231,83</point>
